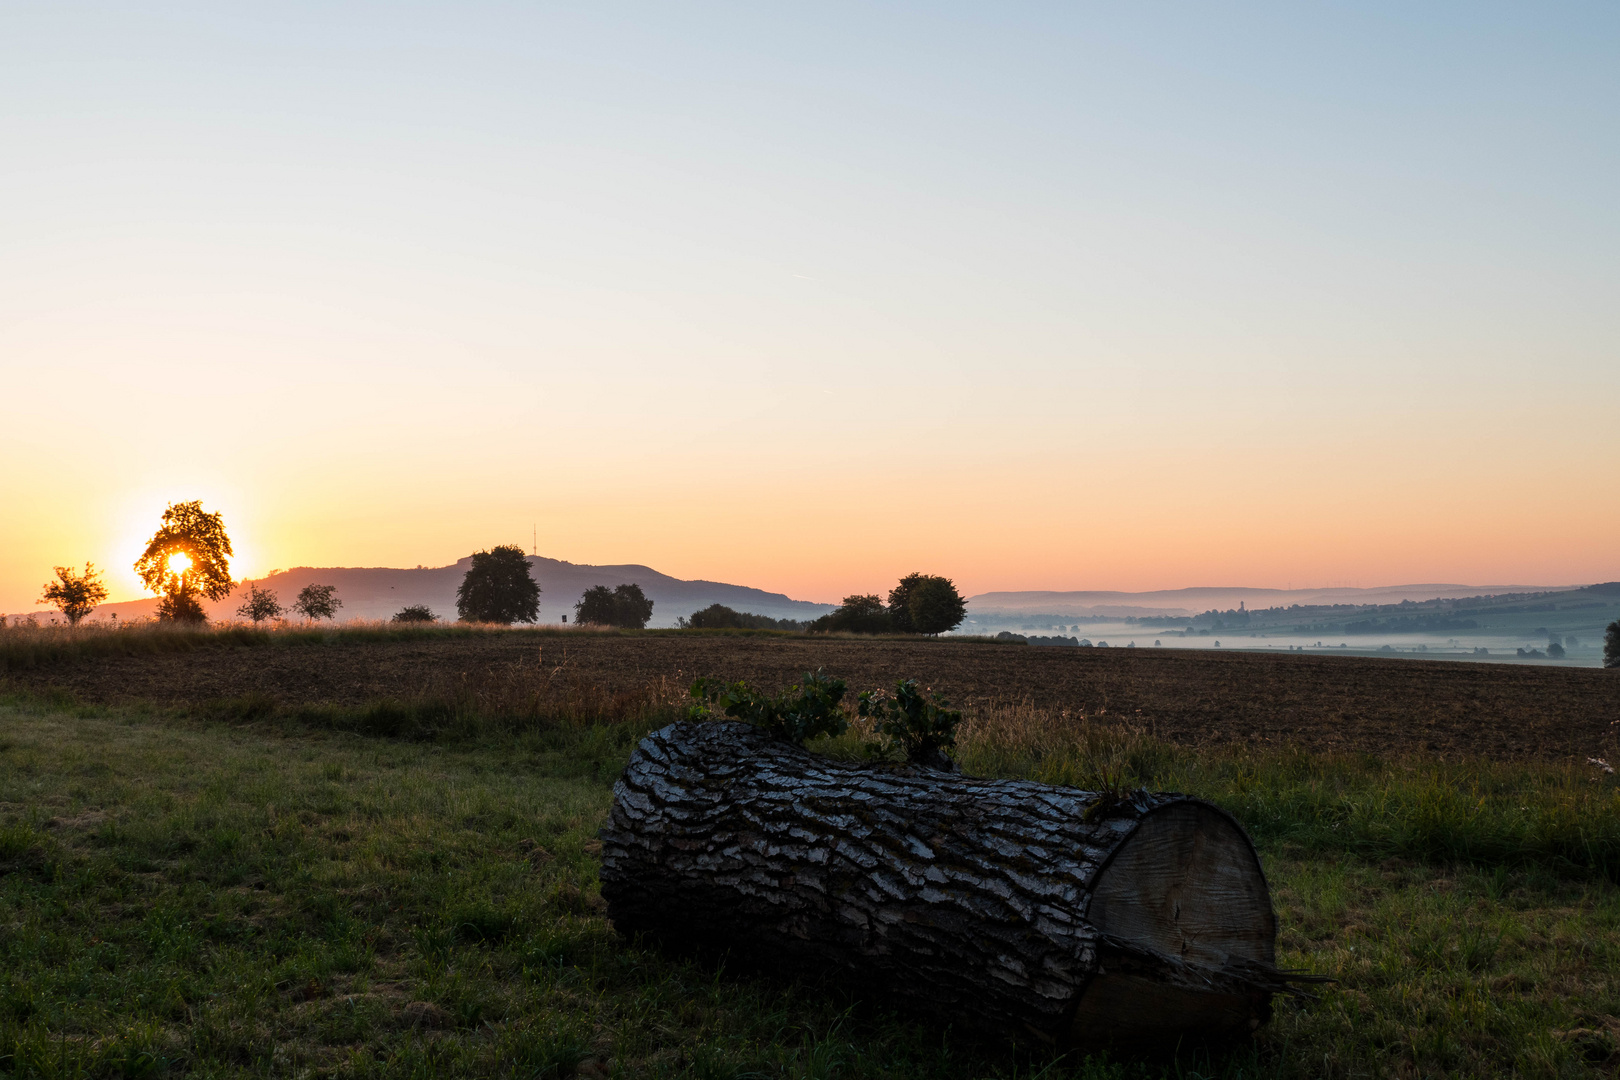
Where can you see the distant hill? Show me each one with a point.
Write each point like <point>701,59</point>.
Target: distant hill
<point>1205,598</point>
<point>378,592</point>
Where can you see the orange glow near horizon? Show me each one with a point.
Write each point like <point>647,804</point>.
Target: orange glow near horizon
<point>1112,516</point>
<point>1029,297</point>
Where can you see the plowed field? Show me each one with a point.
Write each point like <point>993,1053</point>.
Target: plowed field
<point>1384,707</point>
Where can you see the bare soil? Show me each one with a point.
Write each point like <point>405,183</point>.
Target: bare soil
<point>1319,703</point>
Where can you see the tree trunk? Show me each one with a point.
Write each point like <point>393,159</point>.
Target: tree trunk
<point>1002,905</point>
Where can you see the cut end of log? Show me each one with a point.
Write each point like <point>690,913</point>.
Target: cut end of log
<point>1185,910</point>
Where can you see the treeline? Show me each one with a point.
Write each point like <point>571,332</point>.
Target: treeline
<point>720,617</point>
<point>1405,624</point>
<point>919,604</point>
<point>187,561</point>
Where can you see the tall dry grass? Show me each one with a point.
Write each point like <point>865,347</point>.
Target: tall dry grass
<point>1560,817</point>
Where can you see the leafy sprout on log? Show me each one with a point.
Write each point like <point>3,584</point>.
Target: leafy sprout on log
<point>914,721</point>
<point>809,709</point>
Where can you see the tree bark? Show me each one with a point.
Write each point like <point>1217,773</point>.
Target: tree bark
<point>1002,905</point>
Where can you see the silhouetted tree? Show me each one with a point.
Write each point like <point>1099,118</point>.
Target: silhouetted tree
<point>187,561</point>
<point>625,606</point>
<point>1611,645</point>
<point>73,594</point>
<point>261,604</point>
<point>317,602</point>
<point>721,617</point>
<point>415,613</point>
<point>498,588</point>
<point>856,615</point>
<point>931,604</point>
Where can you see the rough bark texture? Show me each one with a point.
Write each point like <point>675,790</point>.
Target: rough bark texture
<point>989,903</point>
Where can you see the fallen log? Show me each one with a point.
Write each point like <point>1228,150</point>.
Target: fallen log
<point>1002,905</point>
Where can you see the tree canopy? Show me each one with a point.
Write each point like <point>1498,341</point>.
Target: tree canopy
<point>187,561</point>
<point>625,606</point>
<point>918,604</point>
<point>721,617</point>
<point>1611,645</point>
<point>317,602</point>
<point>73,594</point>
<point>857,615</point>
<point>931,604</point>
<point>260,604</point>
<point>498,588</point>
<point>415,613</point>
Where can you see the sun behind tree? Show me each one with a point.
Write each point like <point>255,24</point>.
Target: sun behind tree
<point>187,561</point>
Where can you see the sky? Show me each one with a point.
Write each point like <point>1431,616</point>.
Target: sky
<point>810,296</point>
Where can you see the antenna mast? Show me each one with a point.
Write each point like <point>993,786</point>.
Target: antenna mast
<point>534,538</point>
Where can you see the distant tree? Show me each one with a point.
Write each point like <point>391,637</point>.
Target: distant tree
<point>415,613</point>
<point>1611,645</point>
<point>261,604</point>
<point>625,606</point>
<point>856,615</point>
<point>498,588</point>
<point>934,605</point>
<point>317,602</point>
<point>1555,650</point>
<point>73,594</point>
<point>721,617</point>
<point>899,607</point>
<point>596,607</point>
<point>187,561</point>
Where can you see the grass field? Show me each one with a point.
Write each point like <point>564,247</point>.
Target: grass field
<point>251,885</point>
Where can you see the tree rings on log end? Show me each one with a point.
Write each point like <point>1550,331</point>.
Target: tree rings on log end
<point>1186,885</point>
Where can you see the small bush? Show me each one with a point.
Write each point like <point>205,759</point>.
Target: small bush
<point>415,613</point>
<point>810,709</point>
<point>922,728</point>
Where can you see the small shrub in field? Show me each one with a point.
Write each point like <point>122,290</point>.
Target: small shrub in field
<point>73,594</point>
<point>922,728</point>
<point>811,709</point>
<point>317,602</point>
<point>415,613</point>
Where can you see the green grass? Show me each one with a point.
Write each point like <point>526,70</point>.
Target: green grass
<point>242,895</point>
